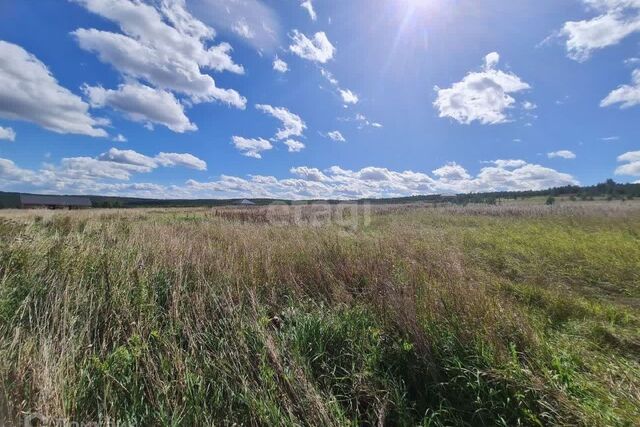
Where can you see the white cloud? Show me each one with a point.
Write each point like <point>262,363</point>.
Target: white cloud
<point>561,154</point>
<point>7,133</point>
<point>29,92</point>
<point>528,105</point>
<point>491,60</point>
<point>348,97</point>
<point>260,21</point>
<point>181,159</point>
<point>11,173</point>
<point>329,76</point>
<point>319,49</point>
<point>164,46</point>
<point>142,104</point>
<point>451,171</point>
<point>88,175</point>
<point>308,6</point>
<point>616,20</point>
<point>131,157</point>
<point>251,147</point>
<point>483,96</point>
<point>362,121</point>
<point>631,164</point>
<point>525,176</point>
<point>508,164</point>
<point>339,183</point>
<point>610,138</point>
<point>310,174</point>
<point>127,157</point>
<point>119,138</point>
<point>626,95</point>
<point>280,66</point>
<point>294,146</point>
<point>292,124</point>
<point>336,136</point>
<point>242,29</point>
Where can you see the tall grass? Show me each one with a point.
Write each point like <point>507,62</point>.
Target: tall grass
<point>412,316</point>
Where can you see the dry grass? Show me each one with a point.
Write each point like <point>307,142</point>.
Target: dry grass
<point>393,315</point>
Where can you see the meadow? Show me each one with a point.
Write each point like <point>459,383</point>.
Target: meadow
<point>517,314</point>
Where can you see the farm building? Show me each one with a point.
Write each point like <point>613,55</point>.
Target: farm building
<point>32,201</point>
<point>246,202</point>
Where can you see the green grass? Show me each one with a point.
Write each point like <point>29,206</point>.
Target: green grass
<point>418,316</point>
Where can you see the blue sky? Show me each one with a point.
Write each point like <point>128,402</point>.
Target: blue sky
<point>316,98</point>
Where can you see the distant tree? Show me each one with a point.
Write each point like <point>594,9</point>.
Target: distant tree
<point>550,200</point>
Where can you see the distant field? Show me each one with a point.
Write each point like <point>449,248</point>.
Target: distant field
<point>517,314</point>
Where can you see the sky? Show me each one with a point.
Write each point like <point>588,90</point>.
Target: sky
<point>305,99</point>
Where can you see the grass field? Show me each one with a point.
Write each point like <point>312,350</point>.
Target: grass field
<point>397,315</point>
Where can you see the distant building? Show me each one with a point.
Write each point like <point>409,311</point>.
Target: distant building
<point>32,201</point>
<point>246,202</point>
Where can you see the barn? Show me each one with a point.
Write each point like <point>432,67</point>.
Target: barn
<point>32,201</point>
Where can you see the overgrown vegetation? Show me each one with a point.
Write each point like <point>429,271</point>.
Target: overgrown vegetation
<point>402,315</point>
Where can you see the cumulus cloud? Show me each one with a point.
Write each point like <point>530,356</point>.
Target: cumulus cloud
<point>631,164</point>
<point>519,175</point>
<point>97,175</point>
<point>92,175</point>
<point>483,96</point>
<point>142,104</point>
<point>29,92</point>
<point>88,168</point>
<point>308,6</point>
<point>127,157</point>
<point>310,174</point>
<point>336,182</point>
<point>7,133</point>
<point>251,147</point>
<point>185,160</point>
<point>451,171</point>
<point>562,154</point>
<point>120,138</point>
<point>318,49</point>
<point>294,146</point>
<point>508,164</point>
<point>626,95</point>
<point>280,66</point>
<point>615,21</point>
<point>348,97</point>
<point>165,46</point>
<point>292,124</point>
<point>11,173</point>
<point>131,157</point>
<point>336,136</point>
